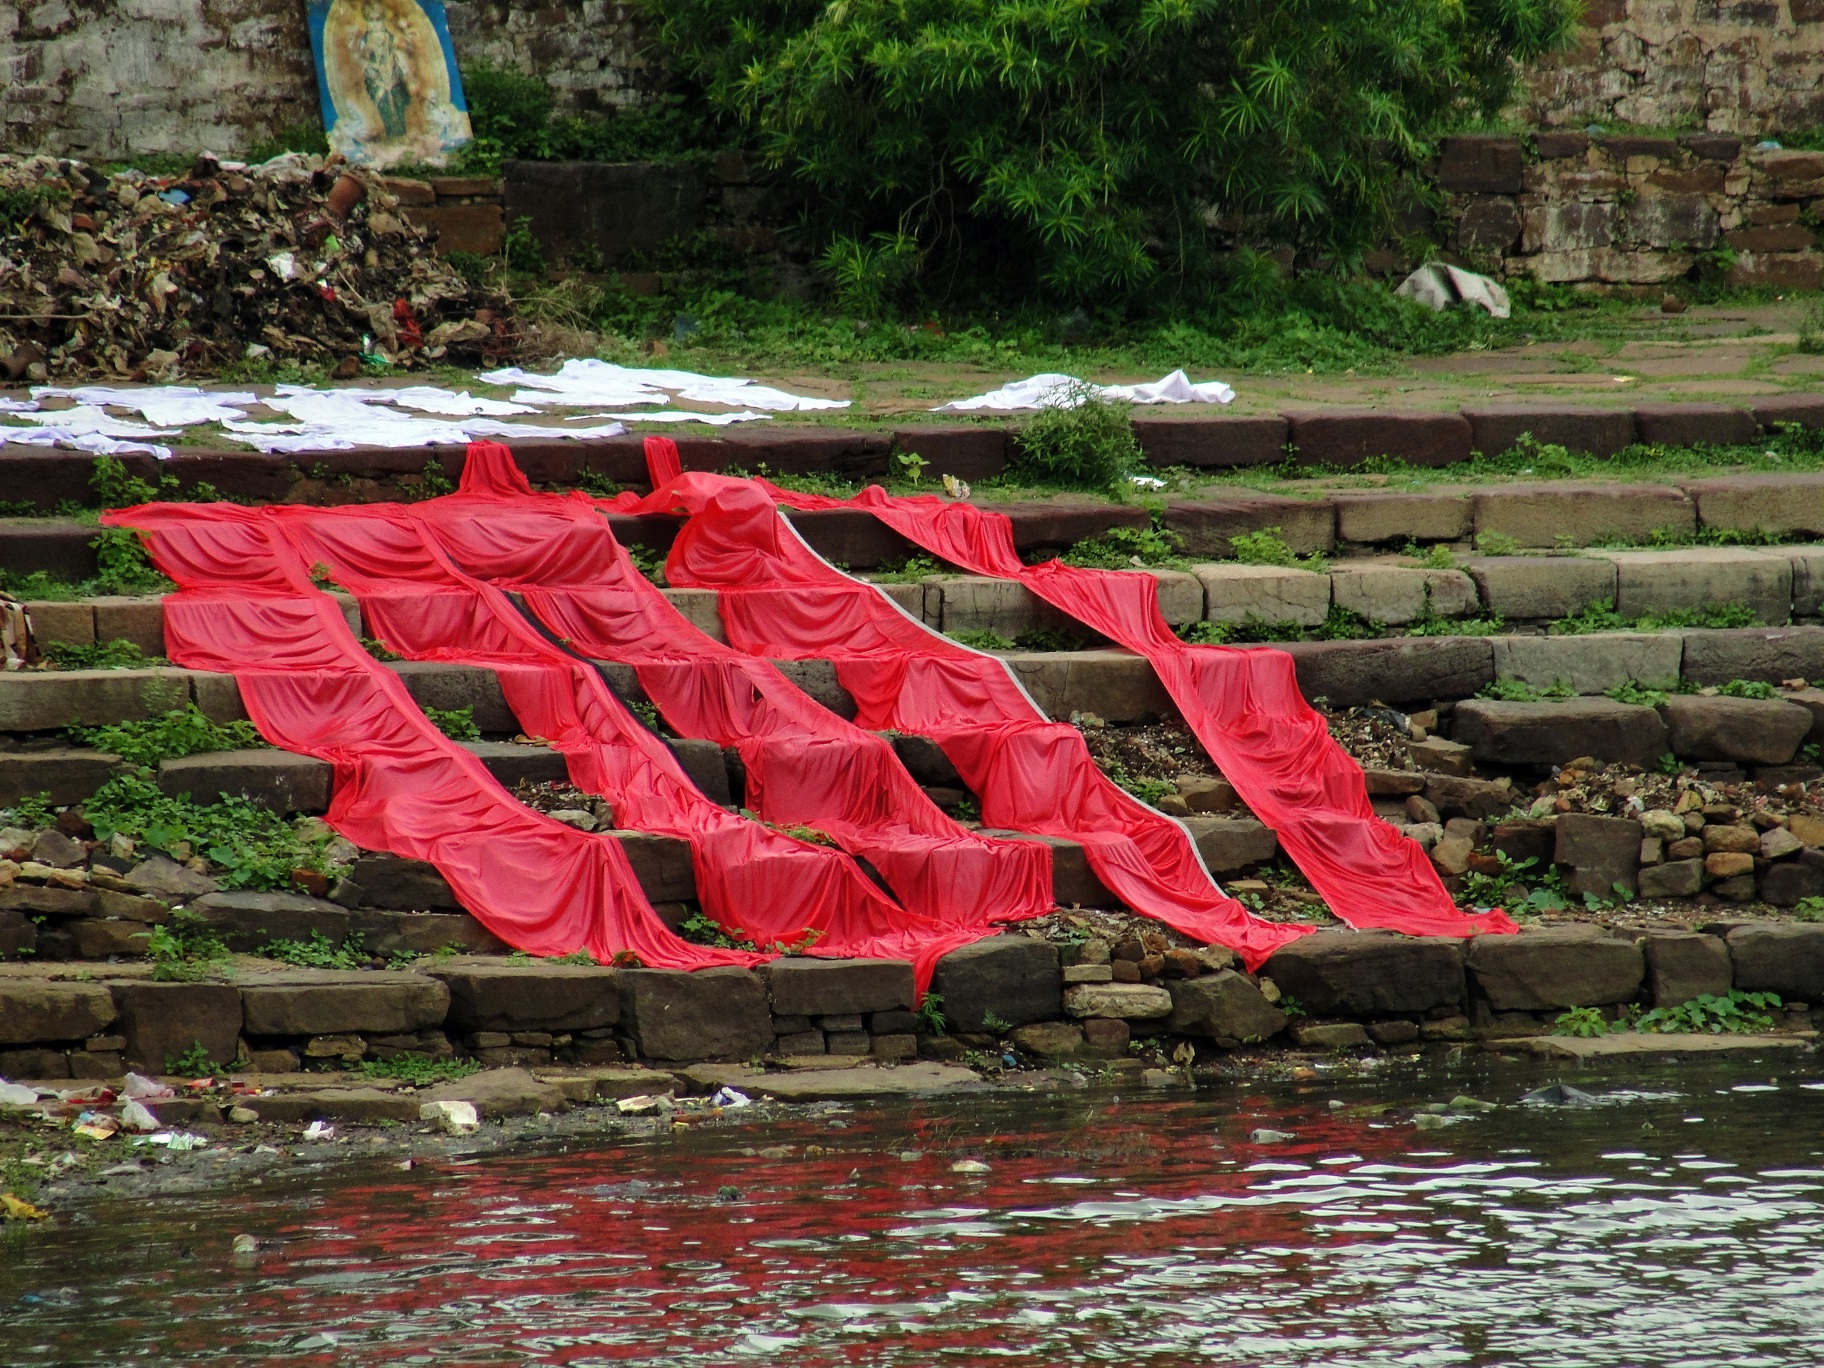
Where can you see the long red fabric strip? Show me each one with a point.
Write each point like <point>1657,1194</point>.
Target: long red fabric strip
<point>1243,705</point>
<point>780,600</point>
<point>245,606</point>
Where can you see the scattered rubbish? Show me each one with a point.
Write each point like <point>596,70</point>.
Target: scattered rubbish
<point>319,1130</point>
<point>955,488</point>
<point>1051,390</point>
<point>267,1149</point>
<point>134,275</point>
<point>1438,286</point>
<point>602,383</point>
<point>95,1126</point>
<point>139,1086</point>
<point>1560,1095</point>
<point>134,1117</point>
<point>453,1116</point>
<point>1270,1137</point>
<point>17,1095</point>
<point>731,1098</point>
<point>1463,1103</point>
<point>174,1140</point>
<point>18,1209</point>
<point>644,1104</point>
<point>1146,481</point>
<point>969,1166</point>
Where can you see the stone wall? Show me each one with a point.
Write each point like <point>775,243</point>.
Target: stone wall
<point>1624,210</point>
<point>103,79</point>
<point>1728,66</point>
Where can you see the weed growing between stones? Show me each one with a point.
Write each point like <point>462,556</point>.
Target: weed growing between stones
<point>908,571</point>
<point>456,723</point>
<point>192,1063</point>
<point>648,562</point>
<point>416,1070</point>
<point>104,655</point>
<point>701,929</point>
<point>179,732</point>
<point>1088,446</point>
<point>1268,547</point>
<point>248,845</point>
<point>1602,617</point>
<point>1507,689</point>
<point>184,949</point>
<point>981,639</point>
<point>319,952</point>
<point>1127,548</point>
<point>931,1018</point>
<point>1733,1013</point>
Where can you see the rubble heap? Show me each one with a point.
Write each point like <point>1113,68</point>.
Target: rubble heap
<point>300,258</point>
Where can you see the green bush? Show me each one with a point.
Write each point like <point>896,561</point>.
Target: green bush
<point>511,116</point>
<point>1090,446</point>
<point>1124,548</point>
<point>247,845</point>
<point>182,731</point>
<point>1086,150</point>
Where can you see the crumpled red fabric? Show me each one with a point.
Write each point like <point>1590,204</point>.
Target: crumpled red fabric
<point>1244,705</point>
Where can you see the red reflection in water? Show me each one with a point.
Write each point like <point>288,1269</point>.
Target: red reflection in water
<point>629,1255</point>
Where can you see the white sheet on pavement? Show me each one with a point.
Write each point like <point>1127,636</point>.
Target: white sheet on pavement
<point>1052,390</point>
<point>95,443</point>
<point>161,405</point>
<point>602,384</point>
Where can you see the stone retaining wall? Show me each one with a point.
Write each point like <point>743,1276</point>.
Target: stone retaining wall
<point>1330,989</point>
<point>1629,210</point>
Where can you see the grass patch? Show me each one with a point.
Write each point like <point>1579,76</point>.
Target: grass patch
<point>1602,617</point>
<point>416,1069</point>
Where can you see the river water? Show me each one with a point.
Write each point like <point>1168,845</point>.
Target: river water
<point>1676,1221</point>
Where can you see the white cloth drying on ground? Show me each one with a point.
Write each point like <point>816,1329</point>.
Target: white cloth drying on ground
<point>602,384</point>
<point>1439,286</point>
<point>87,418</point>
<point>1051,390</point>
<point>430,399</point>
<point>17,405</point>
<point>95,443</point>
<point>161,405</point>
<point>686,416</point>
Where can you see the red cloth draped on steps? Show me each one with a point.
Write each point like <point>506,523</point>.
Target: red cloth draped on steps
<point>1244,705</point>
<point>780,600</point>
<point>246,606</point>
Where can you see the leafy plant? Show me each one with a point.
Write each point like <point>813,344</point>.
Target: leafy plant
<point>104,655</point>
<point>1268,547</point>
<point>1092,150</point>
<point>1748,688</point>
<point>1811,330</point>
<point>1124,548</point>
<point>319,952</point>
<point>249,846</point>
<point>184,948</point>
<point>908,571</point>
<point>192,1063</point>
<point>520,247</point>
<point>931,1018</point>
<point>416,1070</point>
<point>1205,633</point>
<point>1669,764</point>
<point>981,639</point>
<point>1499,889</point>
<point>1736,1012</point>
<point>1050,639</point>
<point>1508,689</point>
<point>1078,442</point>
<point>1435,557</point>
<point>649,562</point>
<point>1809,909</point>
<point>32,811</point>
<point>1345,624</point>
<point>1634,692</point>
<point>995,1024</point>
<point>1602,617</point>
<point>456,723</point>
<point>179,732</point>
<point>1496,544</point>
<point>1586,1023</point>
<point>1291,1006</point>
<point>578,957</point>
<point>379,650</point>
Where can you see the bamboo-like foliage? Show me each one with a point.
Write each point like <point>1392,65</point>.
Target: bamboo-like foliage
<point>1100,146</point>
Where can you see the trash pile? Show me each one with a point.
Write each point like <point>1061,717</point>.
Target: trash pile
<point>300,258</point>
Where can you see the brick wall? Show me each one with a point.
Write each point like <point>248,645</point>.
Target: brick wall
<point>103,79</point>
<point>1725,66</point>
<point>1572,208</point>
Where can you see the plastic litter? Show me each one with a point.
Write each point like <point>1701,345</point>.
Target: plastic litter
<point>139,1086</point>
<point>1438,287</point>
<point>135,1117</point>
<point>319,1130</point>
<point>643,1105</point>
<point>454,1117</point>
<point>174,1140</point>
<point>730,1098</point>
<point>17,1095</point>
<point>1264,1136</point>
<point>970,1166</point>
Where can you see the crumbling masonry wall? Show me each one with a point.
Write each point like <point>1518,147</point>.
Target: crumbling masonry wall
<point>106,79</point>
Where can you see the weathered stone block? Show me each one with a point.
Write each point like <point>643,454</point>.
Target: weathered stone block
<point>698,608</point>
<point>438,685</point>
<point>1758,731</point>
<point>1653,581</point>
<point>1592,663</point>
<point>1768,654</point>
<point>1790,882</point>
<point>1345,438</point>
<point>1211,443</point>
<point>1558,730</point>
<point>1058,524</point>
<point>1542,971</point>
<point>386,933</point>
<point>164,1020</point>
<point>69,776</point>
<point>1392,670</point>
<point>35,1012</point>
<point>54,699</point>
<point>1684,965</point>
<point>1522,588</point>
<point>396,882</point>
<point>1497,428</point>
<point>1233,592</point>
<point>1489,224</point>
<point>1599,852</point>
<point>530,997</point>
<point>1369,973</point>
<point>1488,164</point>
<point>1017,978</point>
<point>249,922</point>
<point>1435,516</point>
<point>1117,1001</point>
<point>138,620</point>
<point>662,864</point>
<point>1306,525</point>
<point>1396,594</point>
<point>513,763</point>
<point>709,1014</point>
<point>1674,879</point>
<point>1114,685</point>
<point>330,1004</point>
<point>276,779</point>
<point>1783,959</point>
<point>820,987</point>
<point>969,453</point>
<point>1224,1004</point>
<point>1229,843</point>
<point>604,210</point>
<point>1573,514</point>
<point>1779,504</point>
<point>58,624</point>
